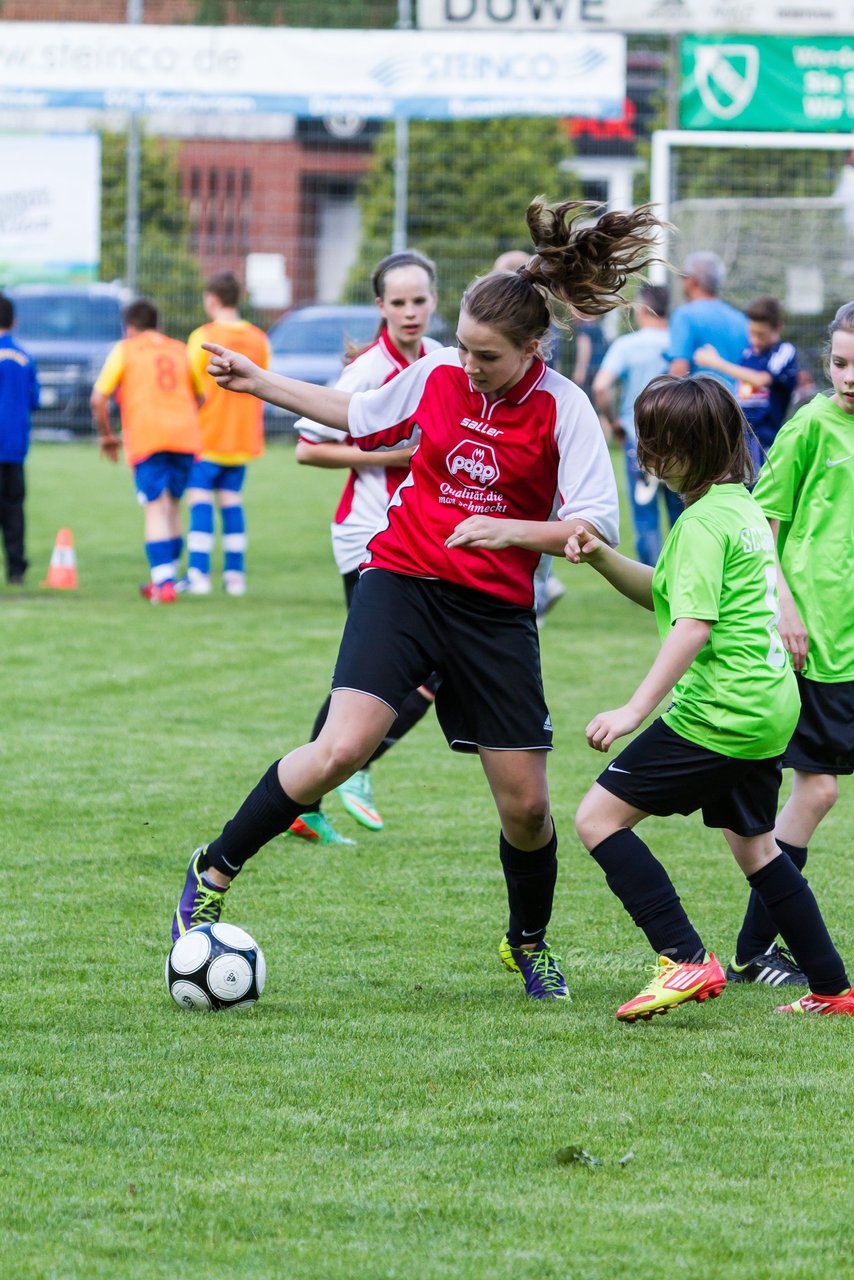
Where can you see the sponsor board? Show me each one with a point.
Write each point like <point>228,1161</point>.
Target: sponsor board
<point>49,208</point>
<point>772,83</point>
<point>667,17</point>
<point>372,74</point>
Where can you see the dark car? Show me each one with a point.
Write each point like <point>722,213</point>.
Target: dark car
<point>309,343</point>
<point>68,330</point>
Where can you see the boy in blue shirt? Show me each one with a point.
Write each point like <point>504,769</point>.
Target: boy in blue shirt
<point>19,394</point>
<point>766,376</point>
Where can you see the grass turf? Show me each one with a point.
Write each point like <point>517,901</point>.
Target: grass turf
<point>393,1107</point>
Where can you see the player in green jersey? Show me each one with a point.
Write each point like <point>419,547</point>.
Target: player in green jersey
<point>806,490</point>
<point>717,747</point>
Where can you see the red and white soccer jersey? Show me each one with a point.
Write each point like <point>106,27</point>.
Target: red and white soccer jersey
<point>537,450</point>
<point>366,495</point>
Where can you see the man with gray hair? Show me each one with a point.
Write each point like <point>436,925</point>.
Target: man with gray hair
<point>705,319</point>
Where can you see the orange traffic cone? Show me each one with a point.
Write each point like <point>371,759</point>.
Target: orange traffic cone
<point>62,572</point>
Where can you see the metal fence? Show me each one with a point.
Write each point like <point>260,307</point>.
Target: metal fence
<point>778,209</point>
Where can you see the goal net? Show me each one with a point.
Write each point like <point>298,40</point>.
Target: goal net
<point>777,208</point>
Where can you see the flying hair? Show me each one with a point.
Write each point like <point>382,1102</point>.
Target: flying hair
<point>583,267</point>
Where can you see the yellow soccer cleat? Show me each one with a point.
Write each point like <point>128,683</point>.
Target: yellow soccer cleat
<point>675,984</point>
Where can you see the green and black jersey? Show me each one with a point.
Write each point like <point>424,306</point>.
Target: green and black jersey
<point>808,485</point>
<point>739,697</point>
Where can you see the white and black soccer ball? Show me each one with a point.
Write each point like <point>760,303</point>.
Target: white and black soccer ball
<point>215,966</point>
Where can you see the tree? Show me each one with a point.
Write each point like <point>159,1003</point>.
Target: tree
<point>469,185</point>
<point>168,272</point>
<point>298,13</point>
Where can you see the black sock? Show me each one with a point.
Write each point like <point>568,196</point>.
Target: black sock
<point>758,930</point>
<point>413,707</point>
<point>531,877</point>
<point>646,891</point>
<point>792,907</point>
<point>266,812</point>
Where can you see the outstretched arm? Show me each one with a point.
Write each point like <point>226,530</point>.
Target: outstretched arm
<point>686,639</point>
<point>707,358</point>
<point>631,579</point>
<point>238,373</point>
<point>494,534</point>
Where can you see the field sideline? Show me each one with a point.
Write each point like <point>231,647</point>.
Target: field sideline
<point>393,1107</point>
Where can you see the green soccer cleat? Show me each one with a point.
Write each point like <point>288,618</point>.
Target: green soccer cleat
<point>357,797</point>
<point>317,829</point>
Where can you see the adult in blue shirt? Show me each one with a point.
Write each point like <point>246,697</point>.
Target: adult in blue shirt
<point>630,362</point>
<point>705,320</point>
<point>19,394</point>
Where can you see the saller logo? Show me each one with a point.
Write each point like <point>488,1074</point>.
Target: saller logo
<point>476,461</point>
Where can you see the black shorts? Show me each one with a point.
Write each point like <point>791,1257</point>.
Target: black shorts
<point>663,773</point>
<point>823,741</point>
<point>400,629</point>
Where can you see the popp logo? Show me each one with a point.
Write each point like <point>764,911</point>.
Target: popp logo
<point>476,461</point>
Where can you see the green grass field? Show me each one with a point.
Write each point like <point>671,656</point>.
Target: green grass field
<point>393,1107</point>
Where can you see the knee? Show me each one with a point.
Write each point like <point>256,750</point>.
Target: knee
<point>525,818</point>
<point>824,792</point>
<point>342,755</point>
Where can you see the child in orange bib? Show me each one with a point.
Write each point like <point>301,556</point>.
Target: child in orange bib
<point>232,435</point>
<point>150,377</point>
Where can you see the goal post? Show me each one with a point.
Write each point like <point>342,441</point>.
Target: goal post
<point>777,207</point>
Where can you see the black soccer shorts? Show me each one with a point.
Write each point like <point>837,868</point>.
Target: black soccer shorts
<point>823,741</point>
<point>663,773</point>
<point>400,629</point>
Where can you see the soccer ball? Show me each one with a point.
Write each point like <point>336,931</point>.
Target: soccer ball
<point>215,966</point>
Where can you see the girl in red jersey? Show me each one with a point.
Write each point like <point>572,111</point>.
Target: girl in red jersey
<point>404,286</point>
<point>446,584</point>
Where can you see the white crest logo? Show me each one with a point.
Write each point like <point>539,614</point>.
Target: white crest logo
<point>477,461</point>
<point>726,76</point>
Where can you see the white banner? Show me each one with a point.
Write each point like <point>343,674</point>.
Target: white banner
<point>376,74</point>
<point>668,17</point>
<point>50,187</point>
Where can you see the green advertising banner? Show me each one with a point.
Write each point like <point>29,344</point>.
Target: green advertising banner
<point>768,83</point>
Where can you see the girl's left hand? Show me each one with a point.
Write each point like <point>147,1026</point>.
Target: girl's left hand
<point>610,725</point>
<point>482,531</point>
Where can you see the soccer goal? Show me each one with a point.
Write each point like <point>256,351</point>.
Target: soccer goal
<point>779,210</point>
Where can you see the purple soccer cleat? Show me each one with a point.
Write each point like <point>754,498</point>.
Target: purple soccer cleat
<point>201,902</point>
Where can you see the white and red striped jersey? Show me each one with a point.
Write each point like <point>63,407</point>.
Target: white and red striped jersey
<point>366,495</point>
<point>537,451</point>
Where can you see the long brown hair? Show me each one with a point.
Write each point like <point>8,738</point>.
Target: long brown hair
<point>697,424</point>
<point>585,268</point>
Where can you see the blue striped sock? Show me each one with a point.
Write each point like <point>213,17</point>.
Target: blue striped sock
<point>200,536</point>
<point>233,538</point>
<point>177,551</point>
<point>160,561</point>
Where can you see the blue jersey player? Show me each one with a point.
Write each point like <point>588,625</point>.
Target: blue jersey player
<point>766,376</point>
